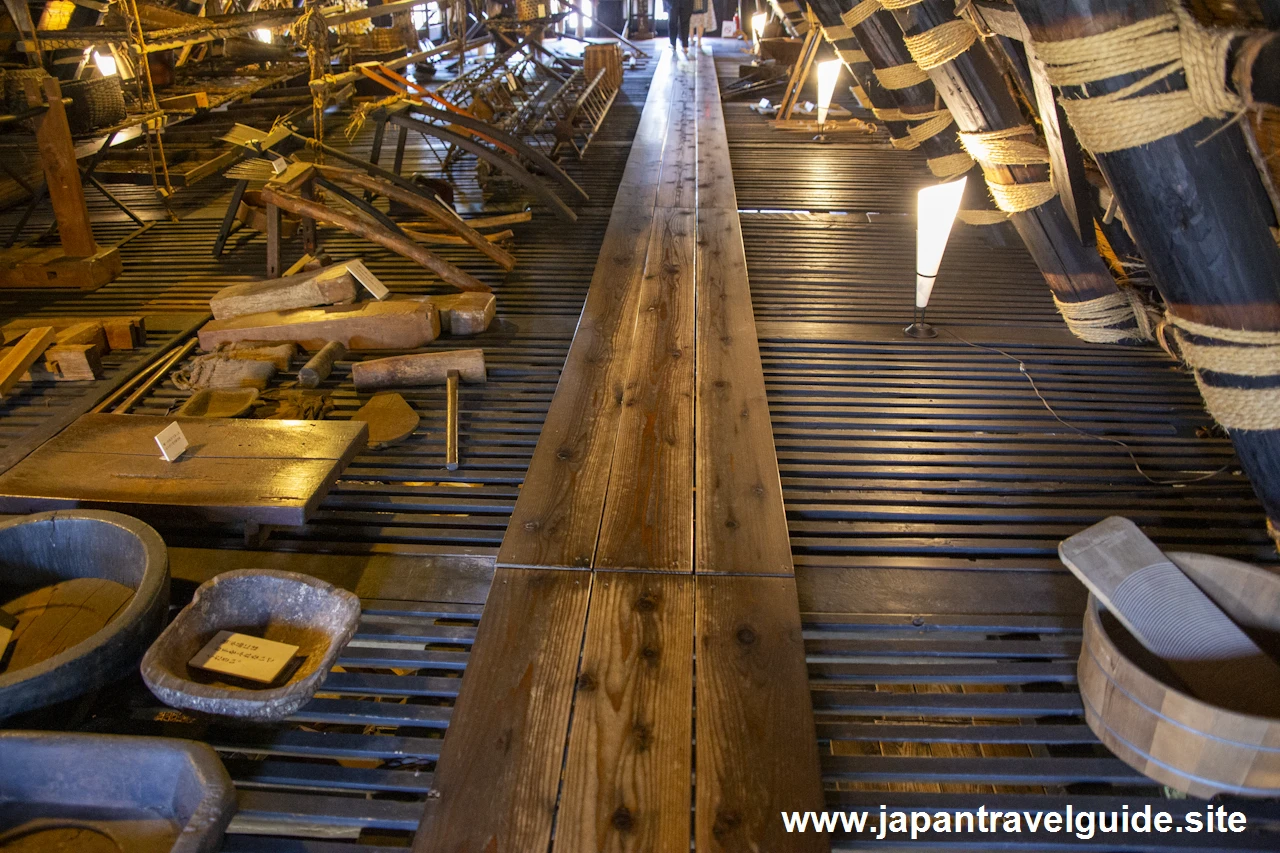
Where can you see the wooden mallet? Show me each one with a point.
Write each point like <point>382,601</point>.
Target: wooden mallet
<point>428,368</point>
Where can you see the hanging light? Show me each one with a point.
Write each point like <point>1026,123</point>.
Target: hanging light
<point>106,63</point>
<point>828,73</point>
<point>938,206</point>
<point>263,36</point>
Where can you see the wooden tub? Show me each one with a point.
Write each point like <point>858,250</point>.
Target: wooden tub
<point>1164,732</point>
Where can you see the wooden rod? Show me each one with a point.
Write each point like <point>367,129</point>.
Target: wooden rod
<point>400,245</point>
<point>451,427</point>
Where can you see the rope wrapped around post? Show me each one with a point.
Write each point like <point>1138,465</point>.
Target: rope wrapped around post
<point>860,12</point>
<point>1233,352</point>
<point>936,47</point>
<point>1099,321</point>
<point>1005,148</point>
<point>1168,44</point>
<point>901,76</point>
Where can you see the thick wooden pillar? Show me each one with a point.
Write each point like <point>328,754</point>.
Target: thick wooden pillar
<point>1197,212</point>
<point>980,101</point>
<point>62,175</point>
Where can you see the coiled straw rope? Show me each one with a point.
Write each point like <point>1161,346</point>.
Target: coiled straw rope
<point>850,57</point>
<point>982,217</point>
<point>938,46</point>
<point>1233,352</point>
<point>837,32</point>
<point>1096,320</point>
<point>1004,148</point>
<point>1167,44</point>
<point>899,4</point>
<point>950,165</point>
<point>901,76</point>
<point>860,12</point>
<point>1015,198</point>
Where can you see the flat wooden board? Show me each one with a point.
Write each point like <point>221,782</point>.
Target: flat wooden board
<point>498,776</point>
<point>742,523</point>
<point>627,782</point>
<point>757,747</point>
<point>54,618</point>
<point>648,515</point>
<point>398,324</point>
<point>270,471</point>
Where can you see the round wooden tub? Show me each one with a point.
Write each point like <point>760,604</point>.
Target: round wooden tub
<point>1165,733</point>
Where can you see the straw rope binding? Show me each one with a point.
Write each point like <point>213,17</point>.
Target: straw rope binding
<point>837,32</point>
<point>1016,198</point>
<point>1095,320</point>
<point>931,128</point>
<point>938,46</point>
<point>851,57</point>
<point>1167,44</point>
<point>982,217</point>
<point>860,12</point>
<point>950,166</point>
<point>901,76</point>
<point>899,4</point>
<point>1233,352</point>
<point>1004,148</point>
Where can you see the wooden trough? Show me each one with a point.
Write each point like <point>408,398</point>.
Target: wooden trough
<point>1164,732</point>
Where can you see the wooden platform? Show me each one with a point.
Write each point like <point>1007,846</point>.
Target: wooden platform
<point>666,341</point>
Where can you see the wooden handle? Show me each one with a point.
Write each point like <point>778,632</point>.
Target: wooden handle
<point>318,368</point>
<point>451,428</point>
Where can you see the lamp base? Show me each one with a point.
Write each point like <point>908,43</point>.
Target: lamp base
<point>920,330</point>
<point>821,139</point>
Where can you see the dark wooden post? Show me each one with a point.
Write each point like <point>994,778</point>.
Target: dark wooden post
<point>1197,211</point>
<point>976,93</point>
<point>62,175</point>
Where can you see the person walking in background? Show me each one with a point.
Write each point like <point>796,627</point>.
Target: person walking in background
<point>703,20</point>
<point>678,14</point>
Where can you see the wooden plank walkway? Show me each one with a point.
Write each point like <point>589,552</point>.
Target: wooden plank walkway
<point>656,473</point>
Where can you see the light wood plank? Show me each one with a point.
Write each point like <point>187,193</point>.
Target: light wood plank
<point>627,785</point>
<point>742,524</point>
<point>757,748</point>
<point>499,770</point>
<point>648,514</point>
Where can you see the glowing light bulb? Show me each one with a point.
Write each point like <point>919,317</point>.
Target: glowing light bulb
<point>263,36</point>
<point>758,21</point>
<point>828,73</point>
<point>938,206</point>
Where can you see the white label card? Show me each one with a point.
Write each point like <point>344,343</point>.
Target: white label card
<point>368,280</point>
<point>171,441</point>
<point>244,656</point>
<point>280,165</point>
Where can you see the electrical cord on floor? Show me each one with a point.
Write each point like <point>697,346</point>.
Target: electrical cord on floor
<point>1022,368</point>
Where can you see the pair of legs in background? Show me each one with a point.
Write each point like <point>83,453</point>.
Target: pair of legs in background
<point>678,17</point>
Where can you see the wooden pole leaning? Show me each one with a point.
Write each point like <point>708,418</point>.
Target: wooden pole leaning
<point>980,101</point>
<point>1195,205</point>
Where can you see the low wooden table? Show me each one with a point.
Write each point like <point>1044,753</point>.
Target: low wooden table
<point>267,472</point>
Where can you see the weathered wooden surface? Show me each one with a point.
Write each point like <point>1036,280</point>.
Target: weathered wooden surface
<point>556,519</point>
<point>465,313</point>
<point>329,286</point>
<point>390,419</point>
<point>498,776</point>
<point>363,326</point>
<point>23,354</point>
<point>54,618</point>
<point>648,513</point>
<point>427,368</point>
<point>757,752</point>
<point>273,472</point>
<point>123,332</point>
<point>627,770</point>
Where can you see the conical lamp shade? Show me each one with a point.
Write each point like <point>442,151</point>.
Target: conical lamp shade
<point>828,74</point>
<point>937,212</point>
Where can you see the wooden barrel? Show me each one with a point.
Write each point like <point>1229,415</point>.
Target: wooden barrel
<point>1160,730</point>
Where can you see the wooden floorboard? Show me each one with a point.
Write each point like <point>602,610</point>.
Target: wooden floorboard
<point>556,519</point>
<point>498,776</point>
<point>756,748</point>
<point>628,784</point>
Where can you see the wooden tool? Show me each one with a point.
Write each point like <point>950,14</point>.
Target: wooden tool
<point>430,368</point>
<point>320,366</point>
<point>329,286</point>
<point>22,356</point>
<point>364,325</point>
<point>1166,612</point>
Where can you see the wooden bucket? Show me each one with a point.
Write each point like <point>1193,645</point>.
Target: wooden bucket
<point>1165,733</point>
<point>606,55</point>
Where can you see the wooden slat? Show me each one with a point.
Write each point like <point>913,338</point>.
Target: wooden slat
<point>648,514</point>
<point>499,770</point>
<point>627,783</point>
<point>757,750</point>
